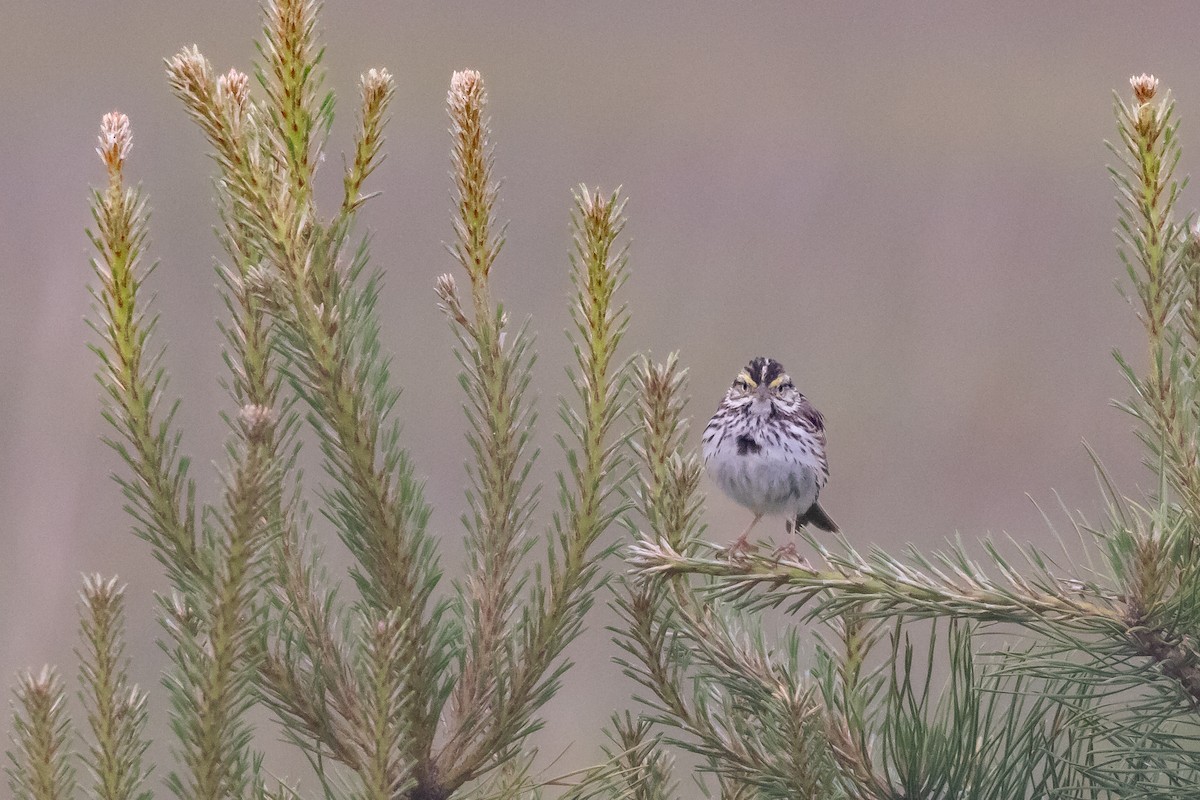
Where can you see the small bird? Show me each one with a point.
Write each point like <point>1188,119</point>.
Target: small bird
<point>765,448</point>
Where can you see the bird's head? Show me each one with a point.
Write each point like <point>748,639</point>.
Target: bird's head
<point>764,384</point>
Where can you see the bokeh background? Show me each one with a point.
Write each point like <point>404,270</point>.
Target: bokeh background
<point>907,204</point>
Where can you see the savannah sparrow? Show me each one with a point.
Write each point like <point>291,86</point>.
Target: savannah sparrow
<point>765,448</point>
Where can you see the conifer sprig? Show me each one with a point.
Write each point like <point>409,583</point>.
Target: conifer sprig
<point>295,288</point>
<point>160,494</point>
<point>326,329</point>
<point>116,711</point>
<point>510,662</point>
<point>588,491</point>
<point>384,773</point>
<point>41,766</point>
<point>497,372</point>
<point>638,767</point>
<point>290,73</point>
<point>213,622</point>
<point>257,214</point>
<point>376,88</point>
<point>992,734</point>
<point>1153,247</point>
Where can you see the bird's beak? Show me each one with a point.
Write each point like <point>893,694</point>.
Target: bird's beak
<point>763,392</point>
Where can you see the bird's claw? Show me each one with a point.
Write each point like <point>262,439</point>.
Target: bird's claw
<point>740,549</point>
<point>787,550</point>
<point>789,555</point>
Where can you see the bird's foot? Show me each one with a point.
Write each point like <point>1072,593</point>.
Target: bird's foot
<point>789,555</point>
<point>740,549</point>
<point>786,551</point>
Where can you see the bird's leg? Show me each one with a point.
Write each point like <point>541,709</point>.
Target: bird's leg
<point>742,545</point>
<point>789,549</point>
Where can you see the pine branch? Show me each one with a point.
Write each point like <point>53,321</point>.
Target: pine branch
<point>383,771</point>
<point>116,711</point>
<point>215,692</point>
<point>41,769</point>
<point>992,733</point>
<point>496,378</point>
<point>328,336</point>
<point>596,469</point>
<point>509,665</point>
<point>638,767</point>
<point>255,213</point>
<point>1153,247</point>
<point>307,677</point>
<point>291,77</point>
<point>880,586</point>
<point>217,577</point>
<point>161,497</point>
<point>376,89</point>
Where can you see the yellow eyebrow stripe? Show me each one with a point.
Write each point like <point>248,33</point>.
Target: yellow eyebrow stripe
<point>745,376</point>
<point>775,384</point>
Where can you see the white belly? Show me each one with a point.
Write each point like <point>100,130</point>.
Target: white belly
<point>763,484</point>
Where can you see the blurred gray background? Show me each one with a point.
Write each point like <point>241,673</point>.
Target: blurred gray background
<point>905,203</point>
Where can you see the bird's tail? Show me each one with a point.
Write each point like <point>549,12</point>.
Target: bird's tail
<point>817,516</point>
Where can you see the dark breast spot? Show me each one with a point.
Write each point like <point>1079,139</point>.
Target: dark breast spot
<point>746,445</point>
